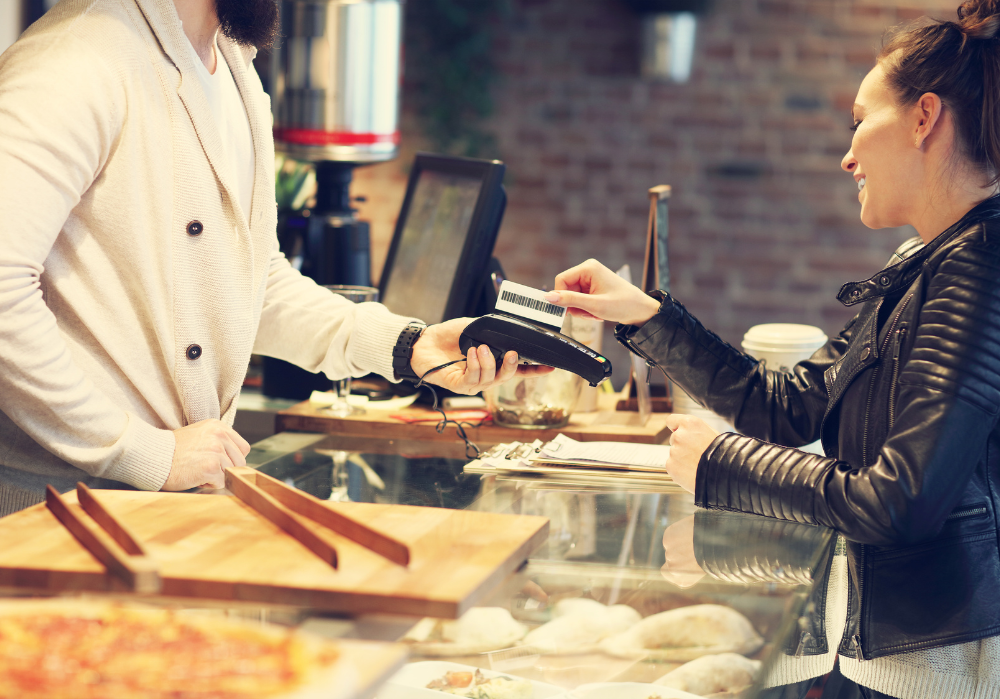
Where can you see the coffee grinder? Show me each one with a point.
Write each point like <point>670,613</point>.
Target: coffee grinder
<point>335,81</point>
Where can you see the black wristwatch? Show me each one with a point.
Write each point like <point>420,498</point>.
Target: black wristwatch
<point>403,351</point>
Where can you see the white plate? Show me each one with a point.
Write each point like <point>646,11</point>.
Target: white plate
<point>411,682</point>
<point>627,690</point>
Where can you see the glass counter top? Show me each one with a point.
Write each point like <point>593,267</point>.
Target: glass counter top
<point>650,550</point>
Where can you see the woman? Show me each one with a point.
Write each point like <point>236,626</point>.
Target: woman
<point>905,400</point>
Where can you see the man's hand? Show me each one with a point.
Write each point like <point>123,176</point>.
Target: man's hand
<point>591,290</point>
<point>439,344</point>
<point>202,453</point>
<point>691,437</point>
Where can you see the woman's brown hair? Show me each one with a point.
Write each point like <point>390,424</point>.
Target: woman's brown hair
<point>960,63</point>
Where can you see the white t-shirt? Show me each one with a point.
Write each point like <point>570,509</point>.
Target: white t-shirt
<point>233,124</point>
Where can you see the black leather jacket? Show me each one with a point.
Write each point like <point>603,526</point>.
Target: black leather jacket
<point>905,401</point>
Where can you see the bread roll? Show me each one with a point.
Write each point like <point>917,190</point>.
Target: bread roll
<point>578,625</point>
<point>479,630</point>
<point>716,676</point>
<point>685,634</point>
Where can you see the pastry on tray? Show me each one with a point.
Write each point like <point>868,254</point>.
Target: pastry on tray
<point>68,649</point>
<point>579,625</point>
<point>686,633</point>
<point>716,676</point>
<point>479,630</point>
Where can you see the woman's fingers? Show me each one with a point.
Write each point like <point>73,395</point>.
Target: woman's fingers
<point>591,304</point>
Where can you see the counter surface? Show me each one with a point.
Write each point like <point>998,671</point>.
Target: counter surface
<point>645,549</point>
<point>568,622</point>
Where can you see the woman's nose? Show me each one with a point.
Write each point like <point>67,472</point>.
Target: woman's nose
<point>848,163</point>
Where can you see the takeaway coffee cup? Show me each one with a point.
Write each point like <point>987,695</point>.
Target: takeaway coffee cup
<point>782,345</point>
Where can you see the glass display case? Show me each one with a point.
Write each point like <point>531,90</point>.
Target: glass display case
<point>635,594</point>
<point>632,583</point>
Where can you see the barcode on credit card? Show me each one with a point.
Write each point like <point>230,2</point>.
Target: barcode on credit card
<point>530,304</point>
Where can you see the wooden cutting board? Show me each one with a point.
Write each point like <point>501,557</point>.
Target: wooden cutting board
<point>215,547</point>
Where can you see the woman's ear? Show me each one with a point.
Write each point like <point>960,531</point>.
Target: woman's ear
<point>928,114</point>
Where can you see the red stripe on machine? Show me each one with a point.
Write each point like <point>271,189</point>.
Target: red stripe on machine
<point>317,137</point>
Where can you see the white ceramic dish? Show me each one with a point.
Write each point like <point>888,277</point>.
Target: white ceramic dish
<point>627,690</point>
<point>411,682</point>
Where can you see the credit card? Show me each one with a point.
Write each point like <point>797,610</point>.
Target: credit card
<point>530,304</point>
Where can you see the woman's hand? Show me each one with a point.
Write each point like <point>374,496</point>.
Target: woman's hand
<point>439,344</point>
<point>591,290</point>
<point>691,437</point>
<point>680,565</point>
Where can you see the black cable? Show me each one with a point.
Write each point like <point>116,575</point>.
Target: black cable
<point>445,421</point>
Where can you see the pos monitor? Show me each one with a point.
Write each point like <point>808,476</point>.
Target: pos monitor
<point>444,237</point>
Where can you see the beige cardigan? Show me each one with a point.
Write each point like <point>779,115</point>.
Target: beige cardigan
<point>107,152</point>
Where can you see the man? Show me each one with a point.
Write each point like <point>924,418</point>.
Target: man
<point>138,258</point>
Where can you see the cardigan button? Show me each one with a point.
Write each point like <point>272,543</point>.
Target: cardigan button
<point>195,228</point>
<point>193,351</point>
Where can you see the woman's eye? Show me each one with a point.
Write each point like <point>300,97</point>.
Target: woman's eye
<point>856,125</point>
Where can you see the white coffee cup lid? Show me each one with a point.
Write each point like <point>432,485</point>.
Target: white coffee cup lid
<point>785,337</point>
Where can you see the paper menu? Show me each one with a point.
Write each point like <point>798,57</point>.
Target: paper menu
<point>605,454</point>
<point>566,451</point>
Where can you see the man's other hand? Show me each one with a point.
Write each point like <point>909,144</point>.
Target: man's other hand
<point>439,344</point>
<point>202,453</point>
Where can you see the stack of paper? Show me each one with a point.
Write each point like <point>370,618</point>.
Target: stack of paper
<point>605,455</point>
<point>569,460</point>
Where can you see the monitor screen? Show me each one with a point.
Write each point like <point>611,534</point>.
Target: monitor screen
<point>432,242</point>
<point>444,237</point>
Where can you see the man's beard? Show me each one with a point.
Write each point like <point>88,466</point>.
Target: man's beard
<point>248,22</point>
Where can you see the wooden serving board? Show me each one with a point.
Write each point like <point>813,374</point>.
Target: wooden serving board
<point>605,425</point>
<point>215,547</point>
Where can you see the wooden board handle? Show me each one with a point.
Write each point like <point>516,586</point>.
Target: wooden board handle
<point>139,573</point>
<point>118,531</point>
<point>242,487</point>
<point>316,510</point>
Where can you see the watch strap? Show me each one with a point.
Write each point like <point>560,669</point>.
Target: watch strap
<point>402,352</point>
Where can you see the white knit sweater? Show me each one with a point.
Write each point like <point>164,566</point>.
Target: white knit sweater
<point>108,152</point>
<point>963,671</point>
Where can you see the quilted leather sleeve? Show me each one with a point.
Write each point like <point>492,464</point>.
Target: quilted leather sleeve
<point>781,407</point>
<point>948,401</point>
<point>756,549</point>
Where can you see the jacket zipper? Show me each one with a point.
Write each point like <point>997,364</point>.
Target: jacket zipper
<point>650,364</point>
<point>966,512</point>
<point>868,412</point>
<point>895,374</point>
<point>861,607</point>
<point>871,388</point>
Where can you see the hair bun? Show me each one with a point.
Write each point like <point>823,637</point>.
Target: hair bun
<point>979,19</point>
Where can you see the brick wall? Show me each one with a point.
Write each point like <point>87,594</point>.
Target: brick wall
<point>763,224</point>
